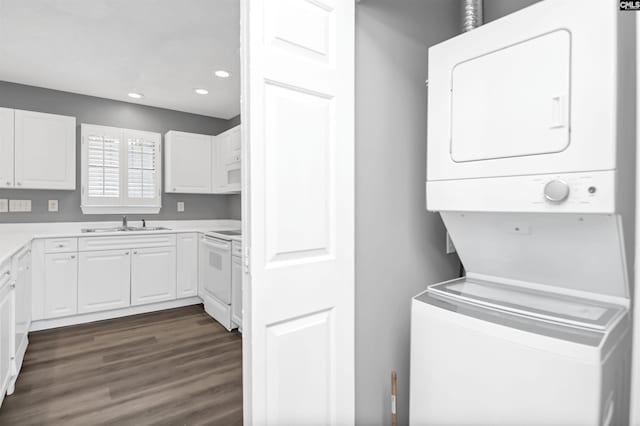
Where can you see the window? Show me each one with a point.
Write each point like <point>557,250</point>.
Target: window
<point>121,170</point>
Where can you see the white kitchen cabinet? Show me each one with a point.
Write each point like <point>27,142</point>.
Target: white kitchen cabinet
<point>104,280</point>
<point>236,290</point>
<point>188,167</point>
<point>6,148</point>
<point>7,342</point>
<point>227,161</point>
<point>44,151</point>
<point>60,285</point>
<point>153,275</point>
<point>187,265</point>
<point>22,307</point>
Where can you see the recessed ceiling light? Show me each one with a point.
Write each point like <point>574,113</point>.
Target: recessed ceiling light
<point>135,95</point>
<point>202,91</point>
<point>222,73</point>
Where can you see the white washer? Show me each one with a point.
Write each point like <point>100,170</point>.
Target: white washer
<point>485,353</point>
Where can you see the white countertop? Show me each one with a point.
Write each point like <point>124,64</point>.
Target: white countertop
<point>14,237</point>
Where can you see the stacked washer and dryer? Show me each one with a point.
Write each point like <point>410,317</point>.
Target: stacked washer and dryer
<point>531,149</point>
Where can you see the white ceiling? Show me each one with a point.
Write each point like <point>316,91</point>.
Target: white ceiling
<point>161,48</point>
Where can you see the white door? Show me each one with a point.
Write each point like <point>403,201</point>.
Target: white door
<point>7,341</point>
<point>298,118</point>
<point>153,275</point>
<point>6,148</point>
<point>104,280</point>
<point>45,151</point>
<point>187,264</point>
<point>188,163</point>
<point>61,285</point>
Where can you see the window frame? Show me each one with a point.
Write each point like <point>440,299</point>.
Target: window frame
<point>122,204</point>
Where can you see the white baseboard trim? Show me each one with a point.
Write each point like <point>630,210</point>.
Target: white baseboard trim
<point>116,313</point>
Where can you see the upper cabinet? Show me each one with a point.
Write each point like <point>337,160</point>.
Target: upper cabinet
<point>227,161</point>
<point>188,163</point>
<point>37,150</point>
<point>6,148</point>
<point>202,164</point>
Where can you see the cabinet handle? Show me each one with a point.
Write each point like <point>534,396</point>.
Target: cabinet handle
<point>7,273</point>
<point>19,183</point>
<point>73,256</point>
<point>135,252</point>
<point>13,285</point>
<point>60,245</point>
<point>8,183</point>
<point>126,253</point>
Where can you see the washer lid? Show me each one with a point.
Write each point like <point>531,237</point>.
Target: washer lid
<point>531,303</point>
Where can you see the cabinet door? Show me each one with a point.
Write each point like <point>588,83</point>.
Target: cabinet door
<point>23,294</point>
<point>45,151</point>
<point>187,265</point>
<point>6,148</point>
<point>153,275</point>
<point>188,163</point>
<point>61,285</point>
<point>218,159</point>
<point>104,280</point>
<point>227,158</point>
<point>236,290</point>
<point>6,338</point>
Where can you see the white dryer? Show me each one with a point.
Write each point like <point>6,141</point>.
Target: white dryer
<point>530,162</point>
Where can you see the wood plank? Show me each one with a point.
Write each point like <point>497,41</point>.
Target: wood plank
<point>171,367</point>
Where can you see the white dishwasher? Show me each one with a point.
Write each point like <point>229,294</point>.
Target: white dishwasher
<point>215,279</point>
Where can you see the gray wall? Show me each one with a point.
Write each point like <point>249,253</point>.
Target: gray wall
<point>399,245</point>
<point>88,109</point>
<point>494,9</point>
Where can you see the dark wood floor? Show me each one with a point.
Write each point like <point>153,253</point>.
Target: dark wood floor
<point>175,367</point>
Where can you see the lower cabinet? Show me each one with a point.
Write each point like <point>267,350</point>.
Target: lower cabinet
<point>187,264</point>
<point>61,285</point>
<point>103,280</point>
<point>153,275</point>
<point>6,336</point>
<point>236,290</point>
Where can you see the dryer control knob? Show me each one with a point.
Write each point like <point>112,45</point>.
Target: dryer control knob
<point>556,191</point>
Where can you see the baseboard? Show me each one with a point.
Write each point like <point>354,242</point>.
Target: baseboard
<point>116,313</point>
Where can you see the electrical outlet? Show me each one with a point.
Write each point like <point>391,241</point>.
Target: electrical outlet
<point>53,205</point>
<point>180,206</point>
<point>4,205</point>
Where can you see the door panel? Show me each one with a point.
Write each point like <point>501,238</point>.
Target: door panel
<point>104,280</point>
<point>187,265</point>
<point>188,159</point>
<point>499,115</point>
<point>153,275</point>
<point>6,148</point>
<point>298,87</point>
<point>45,151</point>
<point>61,285</point>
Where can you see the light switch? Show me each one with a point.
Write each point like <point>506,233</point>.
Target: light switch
<point>180,206</point>
<point>4,205</point>
<point>53,205</point>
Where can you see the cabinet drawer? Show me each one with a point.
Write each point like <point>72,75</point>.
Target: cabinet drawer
<point>128,242</point>
<point>60,245</point>
<point>236,248</point>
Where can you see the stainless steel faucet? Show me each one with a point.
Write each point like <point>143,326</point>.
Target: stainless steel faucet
<point>124,222</point>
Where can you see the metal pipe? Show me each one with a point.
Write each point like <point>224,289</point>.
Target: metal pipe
<point>471,14</point>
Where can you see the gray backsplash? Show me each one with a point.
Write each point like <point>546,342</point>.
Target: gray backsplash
<point>92,110</point>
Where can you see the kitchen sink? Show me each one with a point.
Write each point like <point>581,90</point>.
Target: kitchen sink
<point>125,229</point>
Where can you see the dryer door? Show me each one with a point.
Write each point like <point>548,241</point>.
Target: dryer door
<point>505,104</point>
